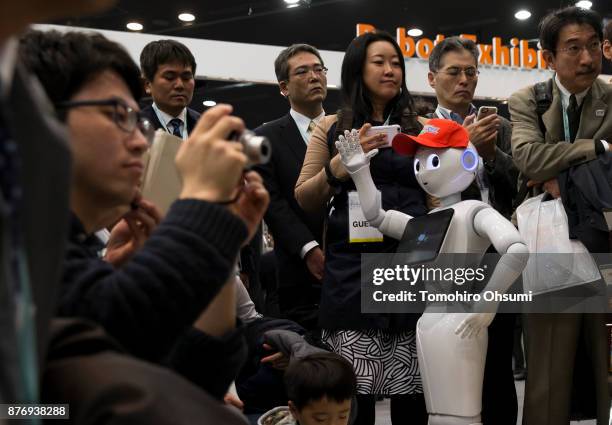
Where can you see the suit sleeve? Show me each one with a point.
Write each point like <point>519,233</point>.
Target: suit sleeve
<point>288,229</point>
<point>538,160</point>
<point>504,174</point>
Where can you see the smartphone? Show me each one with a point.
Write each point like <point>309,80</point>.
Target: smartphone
<point>485,111</point>
<point>390,130</point>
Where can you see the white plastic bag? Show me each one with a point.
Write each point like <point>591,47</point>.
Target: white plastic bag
<point>559,262</point>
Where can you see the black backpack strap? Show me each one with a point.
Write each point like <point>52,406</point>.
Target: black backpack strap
<point>543,98</point>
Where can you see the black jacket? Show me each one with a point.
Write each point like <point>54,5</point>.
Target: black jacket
<point>586,190</point>
<point>149,304</point>
<point>291,227</point>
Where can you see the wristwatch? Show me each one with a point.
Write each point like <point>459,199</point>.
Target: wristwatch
<point>489,164</point>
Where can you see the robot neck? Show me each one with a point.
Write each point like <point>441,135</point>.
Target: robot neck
<point>451,199</point>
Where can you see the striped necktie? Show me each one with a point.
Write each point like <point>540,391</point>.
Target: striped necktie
<point>176,124</point>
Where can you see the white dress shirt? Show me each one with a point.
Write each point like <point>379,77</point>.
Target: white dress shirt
<point>165,118</point>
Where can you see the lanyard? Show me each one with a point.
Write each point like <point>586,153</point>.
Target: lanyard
<point>566,129</point>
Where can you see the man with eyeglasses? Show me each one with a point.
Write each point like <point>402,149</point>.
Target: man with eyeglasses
<point>453,74</point>
<point>168,68</point>
<point>574,131</point>
<point>170,299</point>
<point>302,80</point>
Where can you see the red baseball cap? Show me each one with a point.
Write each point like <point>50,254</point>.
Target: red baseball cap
<point>437,133</point>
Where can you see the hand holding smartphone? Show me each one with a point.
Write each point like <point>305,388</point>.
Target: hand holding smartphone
<point>389,130</point>
<point>485,111</point>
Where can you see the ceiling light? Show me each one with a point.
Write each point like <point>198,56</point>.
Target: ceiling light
<point>292,1</point>
<point>209,103</point>
<point>415,32</point>
<point>186,17</point>
<point>289,6</point>
<point>584,4</point>
<point>134,26</point>
<point>521,15</point>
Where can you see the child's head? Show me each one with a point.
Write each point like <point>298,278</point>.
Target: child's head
<point>320,389</point>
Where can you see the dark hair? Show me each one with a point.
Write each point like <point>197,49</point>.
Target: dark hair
<point>161,52</point>
<point>281,64</point>
<point>320,375</point>
<point>451,44</point>
<point>65,62</point>
<point>354,93</point>
<point>552,24</point>
<point>607,32</point>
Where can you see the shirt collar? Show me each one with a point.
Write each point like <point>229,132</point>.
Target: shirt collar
<point>450,115</point>
<point>166,118</point>
<point>8,59</point>
<point>565,93</point>
<point>302,121</point>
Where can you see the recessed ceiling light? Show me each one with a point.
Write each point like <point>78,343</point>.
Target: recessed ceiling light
<point>134,26</point>
<point>415,32</point>
<point>186,17</point>
<point>584,4</point>
<point>289,6</point>
<point>209,103</point>
<point>521,15</point>
<point>292,1</point>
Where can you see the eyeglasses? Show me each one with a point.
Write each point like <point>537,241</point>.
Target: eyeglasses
<point>453,71</point>
<point>124,116</point>
<point>575,49</point>
<point>304,71</point>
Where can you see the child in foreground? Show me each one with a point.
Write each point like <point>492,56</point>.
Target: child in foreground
<point>320,388</point>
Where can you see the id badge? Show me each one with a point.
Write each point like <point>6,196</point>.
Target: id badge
<point>360,230</point>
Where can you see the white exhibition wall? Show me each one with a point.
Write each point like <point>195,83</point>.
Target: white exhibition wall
<point>221,60</point>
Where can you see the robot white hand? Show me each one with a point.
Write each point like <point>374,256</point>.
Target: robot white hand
<point>351,154</point>
<point>473,324</point>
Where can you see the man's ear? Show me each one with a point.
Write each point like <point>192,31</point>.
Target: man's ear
<point>147,86</point>
<point>284,90</point>
<point>549,57</point>
<point>431,78</point>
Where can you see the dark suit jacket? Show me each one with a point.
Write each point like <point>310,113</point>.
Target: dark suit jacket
<point>291,227</point>
<point>45,180</point>
<point>192,118</point>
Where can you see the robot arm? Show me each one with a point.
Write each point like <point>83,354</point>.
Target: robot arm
<point>391,223</point>
<point>507,241</point>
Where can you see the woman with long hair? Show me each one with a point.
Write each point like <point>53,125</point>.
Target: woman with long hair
<point>381,347</point>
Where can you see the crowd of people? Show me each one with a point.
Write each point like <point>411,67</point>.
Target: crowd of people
<point>165,318</point>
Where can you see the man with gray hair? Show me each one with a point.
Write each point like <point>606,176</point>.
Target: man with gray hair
<point>302,80</point>
<point>453,74</point>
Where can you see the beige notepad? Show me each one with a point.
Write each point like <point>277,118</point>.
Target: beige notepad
<point>162,183</point>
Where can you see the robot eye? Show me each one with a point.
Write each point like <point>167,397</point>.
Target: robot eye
<point>417,166</point>
<point>433,161</point>
<point>469,160</point>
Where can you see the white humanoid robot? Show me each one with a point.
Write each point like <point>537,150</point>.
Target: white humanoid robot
<point>451,346</point>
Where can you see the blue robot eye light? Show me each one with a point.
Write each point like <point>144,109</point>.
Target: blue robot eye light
<point>469,160</point>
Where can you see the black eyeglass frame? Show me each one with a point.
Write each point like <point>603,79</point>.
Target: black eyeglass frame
<point>134,119</point>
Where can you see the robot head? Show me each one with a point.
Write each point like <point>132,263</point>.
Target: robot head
<point>445,162</point>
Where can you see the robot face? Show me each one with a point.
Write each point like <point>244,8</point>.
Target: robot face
<point>442,172</point>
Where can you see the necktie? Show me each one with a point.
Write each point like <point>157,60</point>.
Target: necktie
<point>311,126</point>
<point>176,124</point>
<point>18,291</point>
<point>573,117</point>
